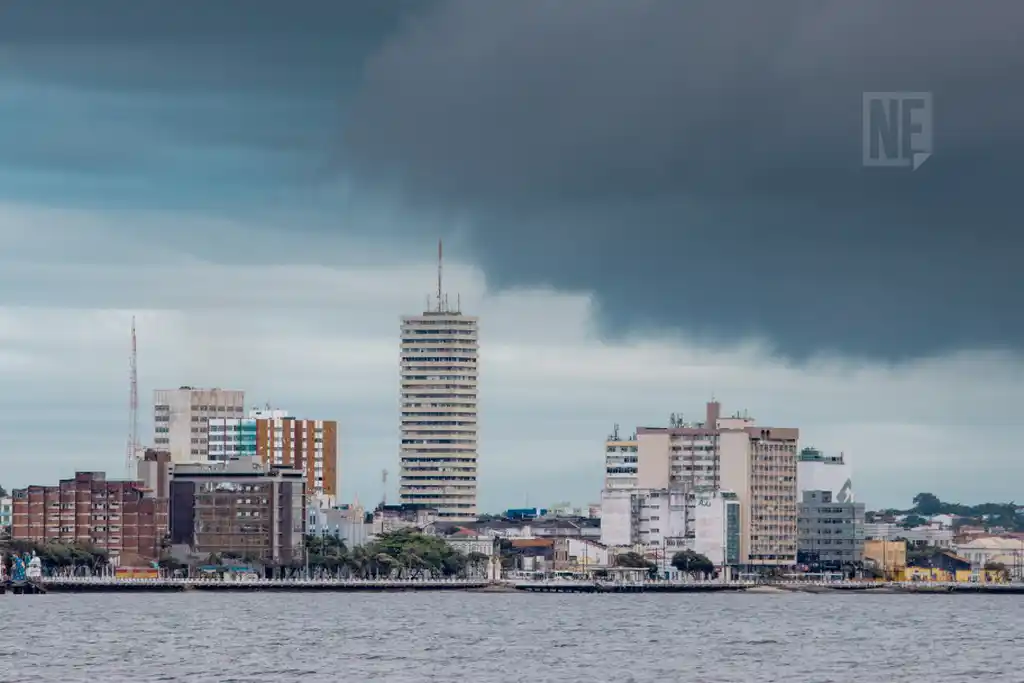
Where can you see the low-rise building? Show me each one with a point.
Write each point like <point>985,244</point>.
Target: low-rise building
<point>888,557</point>
<point>582,555</point>
<point>468,541</point>
<point>6,509</point>
<point>1008,552</point>
<point>536,555</point>
<point>239,507</point>
<point>388,518</point>
<point>346,522</point>
<point>932,535</point>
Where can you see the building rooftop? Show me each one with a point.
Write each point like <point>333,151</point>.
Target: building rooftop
<point>814,455</point>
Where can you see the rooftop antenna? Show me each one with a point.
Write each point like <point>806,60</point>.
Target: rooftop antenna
<point>384,482</point>
<point>131,451</point>
<point>440,269</point>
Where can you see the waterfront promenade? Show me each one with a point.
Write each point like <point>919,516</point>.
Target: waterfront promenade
<point>108,584</point>
<point>105,585</point>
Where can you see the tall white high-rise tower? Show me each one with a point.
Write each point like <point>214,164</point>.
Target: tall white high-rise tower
<point>439,416</point>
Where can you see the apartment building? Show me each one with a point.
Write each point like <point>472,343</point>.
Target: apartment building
<point>682,455</point>
<point>669,520</point>
<point>758,464</point>
<point>181,419</point>
<point>438,452</point>
<point>830,524</point>
<point>239,507</point>
<point>620,461</point>
<point>122,517</point>
<point>279,438</point>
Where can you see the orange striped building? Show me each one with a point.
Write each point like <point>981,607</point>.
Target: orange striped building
<point>309,445</point>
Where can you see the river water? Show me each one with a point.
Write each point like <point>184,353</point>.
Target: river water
<point>492,638</point>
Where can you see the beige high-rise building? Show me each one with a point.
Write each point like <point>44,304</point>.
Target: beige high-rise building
<point>181,419</point>
<point>439,412</point>
<point>732,454</point>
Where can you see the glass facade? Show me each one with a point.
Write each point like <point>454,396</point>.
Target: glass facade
<point>732,532</point>
<point>232,438</point>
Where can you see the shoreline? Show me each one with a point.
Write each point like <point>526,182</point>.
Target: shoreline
<point>82,585</point>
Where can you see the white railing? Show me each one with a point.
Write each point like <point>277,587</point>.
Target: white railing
<point>108,580</point>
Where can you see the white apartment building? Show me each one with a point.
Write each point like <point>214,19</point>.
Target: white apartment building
<point>620,462</point>
<point>439,413</point>
<point>181,419</point>
<point>665,521</point>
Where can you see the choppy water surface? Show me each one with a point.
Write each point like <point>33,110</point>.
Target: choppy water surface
<point>491,638</point>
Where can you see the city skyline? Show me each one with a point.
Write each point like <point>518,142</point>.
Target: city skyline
<point>265,191</point>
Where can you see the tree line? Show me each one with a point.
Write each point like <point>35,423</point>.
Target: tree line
<point>983,514</point>
<point>403,554</point>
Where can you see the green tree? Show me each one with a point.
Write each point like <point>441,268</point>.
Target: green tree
<point>631,559</point>
<point>693,563</point>
<point>927,504</point>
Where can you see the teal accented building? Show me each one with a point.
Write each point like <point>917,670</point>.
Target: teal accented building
<point>231,438</point>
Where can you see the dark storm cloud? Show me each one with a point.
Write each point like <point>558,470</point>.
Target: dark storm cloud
<point>191,102</point>
<point>698,165</point>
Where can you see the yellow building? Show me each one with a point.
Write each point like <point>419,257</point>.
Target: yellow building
<point>924,574</point>
<point>980,576</point>
<point>889,556</point>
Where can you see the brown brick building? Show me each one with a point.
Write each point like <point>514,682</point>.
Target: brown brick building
<point>122,517</point>
<point>239,507</point>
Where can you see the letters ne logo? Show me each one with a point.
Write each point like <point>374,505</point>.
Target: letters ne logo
<point>897,128</point>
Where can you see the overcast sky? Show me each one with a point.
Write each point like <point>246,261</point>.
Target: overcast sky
<point>647,203</point>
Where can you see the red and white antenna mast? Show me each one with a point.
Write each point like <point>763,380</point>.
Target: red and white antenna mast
<point>131,451</point>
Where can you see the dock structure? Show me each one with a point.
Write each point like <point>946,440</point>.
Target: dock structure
<point>107,585</point>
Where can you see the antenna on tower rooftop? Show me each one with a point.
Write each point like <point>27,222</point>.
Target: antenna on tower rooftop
<point>131,452</point>
<point>440,271</point>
